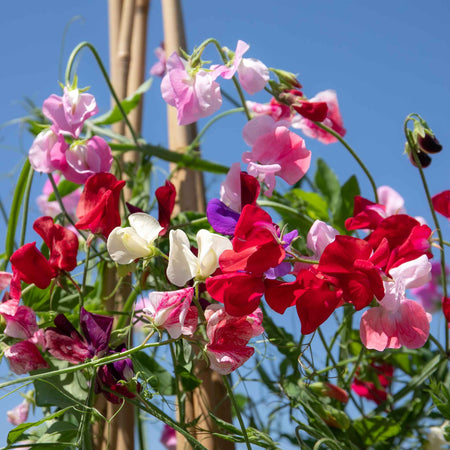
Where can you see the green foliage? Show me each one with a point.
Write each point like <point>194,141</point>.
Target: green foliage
<point>65,187</point>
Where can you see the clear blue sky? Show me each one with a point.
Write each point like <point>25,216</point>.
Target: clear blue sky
<point>385,59</point>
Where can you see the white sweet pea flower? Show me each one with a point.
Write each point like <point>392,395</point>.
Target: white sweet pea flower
<point>184,265</point>
<point>127,244</point>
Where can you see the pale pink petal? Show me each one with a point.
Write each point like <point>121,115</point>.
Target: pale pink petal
<point>414,273</point>
<point>5,280</point>
<point>19,414</point>
<point>230,189</point>
<point>413,326</point>
<point>392,200</point>
<point>253,75</point>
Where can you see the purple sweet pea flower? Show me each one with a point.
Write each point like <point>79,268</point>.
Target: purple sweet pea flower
<point>222,218</point>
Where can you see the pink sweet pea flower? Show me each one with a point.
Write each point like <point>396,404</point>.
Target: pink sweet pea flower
<point>68,113</point>
<point>47,150</point>
<point>194,95</point>
<point>52,209</point>
<point>5,280</point>
<point>398,321</point>
<point>391,200</point>
<point>275,152</point>
<point>20,320</point>
<point>333,119</point>
<point>172,311</point>
<point>228,338</point>
<point>85,158</point>
<point>159,68</point>
<point>24,356</point>
<point>19,414</point>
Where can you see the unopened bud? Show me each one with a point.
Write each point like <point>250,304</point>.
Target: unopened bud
<point>288,79</point>
<point>424,159</point>
<point>325,389</point>
<point>429,143</point>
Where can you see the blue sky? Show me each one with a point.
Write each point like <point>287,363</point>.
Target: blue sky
<point>385,59</point>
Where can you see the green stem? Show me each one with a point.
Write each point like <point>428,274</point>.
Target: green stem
<point>446,243</point>
<point>25,207</point>
<point>85,271</point>
<point>127,308</point>
<point>237,411</point>
<point>180,404</point>
<point>87,365</point>
<point>413,148</point>
<point>15,211</point>
<point>196,141</point>
<point>70,62</point>
<point>275,205</point>
<point>353,153</point>
<point>60,202</point>
<point>182,159</point>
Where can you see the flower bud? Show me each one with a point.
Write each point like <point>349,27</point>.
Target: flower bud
<point>325,389</point>
<point>424,159</point>
<point>429,143</point>
<point>288,79</point>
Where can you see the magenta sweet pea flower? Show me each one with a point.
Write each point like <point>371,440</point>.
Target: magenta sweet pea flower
<point>398,321</point>
<point>68,113</point>
<point>20,320</point>
<point>85,158</point>
<point>228,338</point>
<point>169,438</point>
<point>172,311</point>
<point>194,93</point>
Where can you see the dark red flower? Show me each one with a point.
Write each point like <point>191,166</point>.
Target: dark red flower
<point>166,201</point>
<point>315,111</point>
<point>375,390</point>
<point>98,208</point>
<point>366,214</point>
<point>446,309</point>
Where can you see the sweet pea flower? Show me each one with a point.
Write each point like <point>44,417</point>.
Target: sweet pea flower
<point>252,73</point>
<point>20,320</point>
<point>275,151</point>
<point>169,438</point>
<point>159,67</point>
<point>398,321</point>
<point>193,92</point>
<point>85,158</point>
<point>52,208</point>
<point>376,392</point>
<point>184,265</point>
<point>98,209</point>
<point>441,203</point>
<point>47,150</point>
<point>333,119</point>
<point>166,196</point>
<point>130,243</point>
<point>69,112</point>
<point>228,337</point>
<point>172,311</point>
<point>24,356</point>
<point>19,414</point>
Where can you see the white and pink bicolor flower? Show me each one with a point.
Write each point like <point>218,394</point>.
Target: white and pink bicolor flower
<point>19,414</point>
<point>397,320</point>
<point>228,337</point>
<point>172,311</point>
<point>184,265</point>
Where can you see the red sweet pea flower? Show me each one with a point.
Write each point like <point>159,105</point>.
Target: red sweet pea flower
<point>446,309</point>
<point>316,111</point>
<point>352,266</point>
<point>441,203</point>
<point>366,214</point>
<point>30,265</point>
<point>369,389</point>
<point>166,201</point>
<point>315,297</point>
<point>98,209</point>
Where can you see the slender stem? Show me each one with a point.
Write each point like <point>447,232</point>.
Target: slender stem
<point>196,141</point>
<point>446,243</point>
<point>87,365</point>
<point>275,205</point>
<point>25,207</point>
<point>74,53</point>
<point>236,410</point>
<point>353,153</point>
<point>180,406</point>
<point>127,308</point>
<point>230,98</point>
<point>85,271</point>
<point>413,148</point>
<point>182,159</point>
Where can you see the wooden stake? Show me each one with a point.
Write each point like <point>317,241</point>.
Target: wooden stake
<point>191,196</point>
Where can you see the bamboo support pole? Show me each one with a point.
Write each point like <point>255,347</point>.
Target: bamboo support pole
<point>128,36</point>
<point>191,196</point>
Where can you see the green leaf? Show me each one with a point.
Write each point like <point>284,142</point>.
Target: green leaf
<point>155,375</point>
<point>327,183</point>
<point>114,115</point>
<point>59,432</point>
<point>188,380</point>
<point>375,429</point>
<point>316,206</point>
<point>15,434</point>
<point>64,390</point>
<point>343,207</point>
<point>65,187</point>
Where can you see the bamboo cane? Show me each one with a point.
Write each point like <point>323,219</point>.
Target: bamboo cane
<point>191,196</point>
